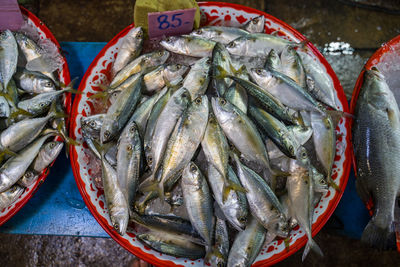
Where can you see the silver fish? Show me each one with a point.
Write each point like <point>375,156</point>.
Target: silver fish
<point>257,45</point>
<point>219,34</point>
<point>247,245</point>
<point>165,125</point>
<point>218,255</point>
<point>376,137</point>
<point>164,75</point>
<point>221,63</point>
<point>13,169</point>
<point>129,49</point>
<point>140,64</point>
<point>10,196</point>
<point>4,107</point>
<point>237,95</point>
<point>292,66</point>
<point>128,161</point>
<point>91,126</point>
<point>34,82</point>
<point>117,205</point>
<point>255,25</point>
<point>121,110</point>
<point>189,45</point>
<point>198,78</point>
<point>198,201</point>
<point>8,56</point>
<point>300,191</point>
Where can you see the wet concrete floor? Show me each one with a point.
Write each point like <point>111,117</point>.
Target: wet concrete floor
<point>357,31</point>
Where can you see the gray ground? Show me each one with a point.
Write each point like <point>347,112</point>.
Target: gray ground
<point>325,23</point>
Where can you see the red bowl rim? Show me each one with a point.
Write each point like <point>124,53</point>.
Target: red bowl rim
<point>277,257</point>
<point>67,102</point>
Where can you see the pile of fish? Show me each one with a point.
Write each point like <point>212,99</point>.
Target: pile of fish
<point>31,112</point>
<point>376,142</point>
<point>241,153</point>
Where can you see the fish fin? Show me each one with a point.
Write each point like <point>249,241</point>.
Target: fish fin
<point>338,114</point>
<point>101,95</point>
<point>5,151</point>
<point>222,73</point>
<point>333,184</point>
<point>287,243</point>
<point>311,244</point>
<point>141,206</point>
<point>228,186</point>
<point>213,252</point>
<point>54,113</point>
<point>18,111</point>
<point>380,238</point>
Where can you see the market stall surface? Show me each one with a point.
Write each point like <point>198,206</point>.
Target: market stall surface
<point>346,34</point>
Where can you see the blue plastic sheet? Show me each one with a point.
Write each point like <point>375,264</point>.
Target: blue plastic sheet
<point>57,208</point>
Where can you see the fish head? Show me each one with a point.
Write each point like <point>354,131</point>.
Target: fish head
<point>378,94</point>
<point>279,225</point>
<point>302,157</point>
<point>173,43</point>
<point>45,84</point>
<point>5,35</point>
<point>255,25</point>
<point>201,64</point>
<point>202,32</point>
<point>273,60</point>
<point>158,57</point>
<point>92,125</point>
<point>108,130</point>
<point>119,221</point>
<point>260,75</point>
<point>223,110</point>
<point>320,183</point>
<point>201,103</point>
<point>136,35</point>
<point>237,46</point>
<point>52,149</point>
<point>190,175</point>
<point>173,71</point>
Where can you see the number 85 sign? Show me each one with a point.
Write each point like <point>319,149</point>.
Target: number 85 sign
<point>175,22</point>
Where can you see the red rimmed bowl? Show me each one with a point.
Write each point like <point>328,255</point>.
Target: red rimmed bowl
<point>64,77</point>
<point>212,13</point>
<point>380,60</point>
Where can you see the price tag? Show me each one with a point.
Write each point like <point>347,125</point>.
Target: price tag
<point>175,22</point>
<point>10,15</point>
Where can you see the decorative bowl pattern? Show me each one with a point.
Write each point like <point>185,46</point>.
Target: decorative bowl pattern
<point>212,13</point>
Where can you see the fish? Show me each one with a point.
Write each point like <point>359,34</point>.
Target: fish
<point>247,245</point>
<point>219,34</point>
<point>237,95</point>
<point>292,66</point>
<point>300,192</point>
<point>234,207</point>
<point>33,82</point>
<point>221,62</point>
<point>8,56</point>
<point>141,64</point>
<point>4,107</point>
<point>14,168</point>
<point>189,45</point>
<point>128,161</point>
<point>198,78</point>
<point>164,75</point>
<point>130,48</point>
<point>184,141</point>
<point>198,202</point>
<point>323,87</point>
<point>257,45</point>
<point>121,110</point>
<point>165,125</point>
<point>255,25</point>
<point>263,203</point>
<point>91,126</point>
<point>171,244</point>
<point>241,131</point>
<point>376,141</point>
<point>47,154</point>
<point>218,255</point>
<point>117,204</point>
<point>10,196</point>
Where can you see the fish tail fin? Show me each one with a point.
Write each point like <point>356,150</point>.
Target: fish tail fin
<point>230,185</point>
<point>54,113</point>
<point>311,244</point>
<point>103,94</point>
<point>332,183</point>
<point>338,114</point>
<point>5,151</point>
<point>18,111</point>
<point>67,139</point>
<point>287,243</point>
<point>213,252</point>
<point>222,73</point>
<point>377,237</point>
<point>70,87</point>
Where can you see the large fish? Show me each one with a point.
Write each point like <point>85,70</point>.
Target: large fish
<point>8,57</point>
<point>376,139</point>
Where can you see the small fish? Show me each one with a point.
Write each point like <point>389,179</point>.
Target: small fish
<point>128,161</point>
<point>198,202</point>
<point>10,196</point>
<point>171,244</point>
<point>129,49</point>
<point>34,82</point>
<point>263,203</point>
<point>198,78</point>
<point>91,126</point>
<point>189,45</point>
<point>255,25</point>
<point>140,64</point>
<point>247,245</point>
<point>221,62</point>
<point>219,34</point>
<point>121,110</point>
<point>8,56</point>
<point>162,76</point>
<point>376,137</point>
<point>257,45</point>
<point>218,255</point>
<point>237,95</point>
<point>14,168</point>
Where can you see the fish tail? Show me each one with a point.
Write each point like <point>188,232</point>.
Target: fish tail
<point>5,151</point>
<point>332,183</point>
<point>287,243</point>
<point>230,185</point>
<point>222,73</point>
<point>311,244</point>
<point>101,95</point>
<point>377,237</point>
<point>54,113</point>
<point>337,114</point>
<point>18,111</point>
<point>73,91</point>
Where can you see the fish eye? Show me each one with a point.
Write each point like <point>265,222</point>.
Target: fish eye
<point>132,129</point>
<point>92,124</point>
<point>52,145</point>
<point>149,159</point>
<point>42,104</point>
<point>255,20</point>
<point>259,71</point>
<point>199,31</point>
<point>198,100</point>
<point>160,53</point>
<point>184,94</point>
<point>139,35</point>
<point>193,168</point>
<point>48,84</point>
<point>220,264</point>
<point>322,181</point>
<point>116,226</point>
<point>178,66</point>
<point>115,94</point>
<point>242,220</point>
<point>168,40</point>
<point>291,149</point>
<point>208,62</point>
<point>129,147</point>
<point>222,101</point>
<point>107,134</point>
<point>231,44</point>
<point>304,155</point>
